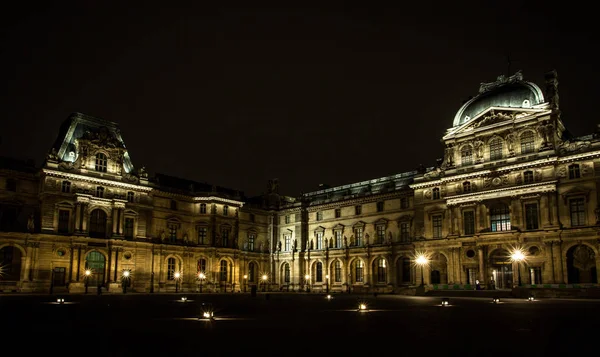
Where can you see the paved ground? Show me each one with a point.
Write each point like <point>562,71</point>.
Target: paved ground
<point>297,324</point>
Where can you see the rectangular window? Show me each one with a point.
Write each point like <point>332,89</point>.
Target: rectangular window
<point>63,221</point>
<point>338,239</point>
<point>130,197</point>
<point>528,177</point>
<point>531,216</point>
<point>288,242</point>
<point>128,228</point>
<point>577,210</point>
<point>535,274</point>
<point>287,219</point>
<point>405,232</point>
<point>380,234</point>
<point>100,191</point>
<point>437,226</point>
<point>404,202</point>
<point>436,193</point>
<point>469,222</point>
<point>500,218</point>
<point>319,215</point>
<point>287,274</point>
<point>66,187</point>
<point>495,149</point>
<point>174,205</point>
<point>172,232</point>
<point>574,171</point>
<point>338,213</point>
<point>357,210</point>
<point>225,210</point>
<point>225,236</point>
<point>319,240</point>
<point>202,235</point>
<point>252,218</point>
<point>203,208</point>
<point>359,236</point>
<point>359,272</point>
<point>379,206</point>
<point>337,272</point>
<point>251,239</point>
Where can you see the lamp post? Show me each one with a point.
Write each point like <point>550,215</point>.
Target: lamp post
<point>245,277</point>
<point>327,283</point>
<point>264,279</point>
<point>422,261</point>
<point>177,275</point>
<point>307,280</point>
<point>87,273</point>
<point>518,256</point>
<point>125,280</point>
<point>201,277</point>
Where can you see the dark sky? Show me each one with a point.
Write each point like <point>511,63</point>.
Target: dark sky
<point>235,96</point>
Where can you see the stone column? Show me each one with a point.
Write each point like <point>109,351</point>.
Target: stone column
<point>480,252</point>
<point>78,217</point>
<point>558,256</point>
<point>115,220</point>
<point>85,215</point>
<point>550,267</point>
<point>121,221</point>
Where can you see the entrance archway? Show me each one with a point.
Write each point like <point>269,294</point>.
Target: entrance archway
<point>10,263</point>
<point>439,269</point>
<point>581,265</point>
<point>502,270</point>
<point>96,262</point>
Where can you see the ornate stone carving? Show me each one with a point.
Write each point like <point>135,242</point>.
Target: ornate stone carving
<point>568,146</point>
<point>510,140</point>
<point>561,172</point>
<point>478,146</point>
<point>449,156</point>
<point>493,118</point>
<point>427,194</point>
<point>433,173</point>
<point>584,258</point>
<point>519,179</point>
<point>102,138</point>
<point>546,130</point>
<point>66,166</point>
<point>500,80</point>
<point>52,155</point>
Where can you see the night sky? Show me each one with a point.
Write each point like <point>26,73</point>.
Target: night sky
<point>235,96</point>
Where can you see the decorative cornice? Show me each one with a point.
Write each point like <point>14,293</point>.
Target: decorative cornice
<point>582,156</point>
<point>503,192</point>
<point>96,180</point>
<point>218,199</point>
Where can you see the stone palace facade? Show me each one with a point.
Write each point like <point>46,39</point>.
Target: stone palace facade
<point>512,178</point>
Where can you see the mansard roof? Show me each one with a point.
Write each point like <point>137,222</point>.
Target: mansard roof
<point>79,125</point>
<point>188,187</point>
<point>370,187</point>
<point>511,92</point>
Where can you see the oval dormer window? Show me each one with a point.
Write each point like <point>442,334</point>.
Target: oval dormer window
<point>467,118</point>
<point>526,103</point>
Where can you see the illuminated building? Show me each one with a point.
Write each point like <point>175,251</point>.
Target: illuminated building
<point>512,177</point>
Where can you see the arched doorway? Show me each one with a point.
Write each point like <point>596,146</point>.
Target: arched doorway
<point>10,263</point>
<point>98,224</point>
<point>581,265</point>
<point>403,271</point>
<point>96,262</point>
<point>439,269</point>
<point>502,270</point>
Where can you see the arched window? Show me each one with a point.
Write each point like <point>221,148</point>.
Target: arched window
<point>98,224</point>
<point>359,270</point>
<point>223,271</point>
<point>496,149</point>
<point>101,162</point>
<point>381,270</point>
<point>319,273</point>
<point>337,271</point>
<point>171,268</point>
<point>527,142</point>
<point>286,273</point>
<point>251,272</point>
<point>466,155</point>
<point>500,218</point>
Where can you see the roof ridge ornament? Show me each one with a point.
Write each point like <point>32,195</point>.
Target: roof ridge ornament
<point>500,81</point>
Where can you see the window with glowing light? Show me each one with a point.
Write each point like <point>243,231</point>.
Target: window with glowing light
<point>319,240</point>
<point>101,162</point>
<point>223,271</point>
<point>500,218</point>
<point>287,242</point>
<point>359,268</point>
<point>338,239</point>
<point>381,270</point>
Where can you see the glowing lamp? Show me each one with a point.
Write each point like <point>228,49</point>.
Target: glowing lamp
<point>88,272</point>
<point>496,300</point>
<point>126,274</point>
<point>531,298</point>
<point>177,275</point>
<point>362,307</point>
<point>183,299</point>
<point>445,301</point>
<point>60,300</point>
<point>264,277</point>
<point>328,297</point>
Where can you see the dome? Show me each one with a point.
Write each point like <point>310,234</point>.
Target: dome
<point>511,92</point>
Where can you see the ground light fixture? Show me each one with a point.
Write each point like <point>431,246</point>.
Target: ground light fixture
<point>496,300</point>
<point>183,299</point>
<point>207,312</point>
<point>328,297</point>
<point>363,307</point>
<point>531,298</point>
<point>60,301</point>
<point>445,301</point>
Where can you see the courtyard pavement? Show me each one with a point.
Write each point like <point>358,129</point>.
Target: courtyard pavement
<point>296,325</point>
